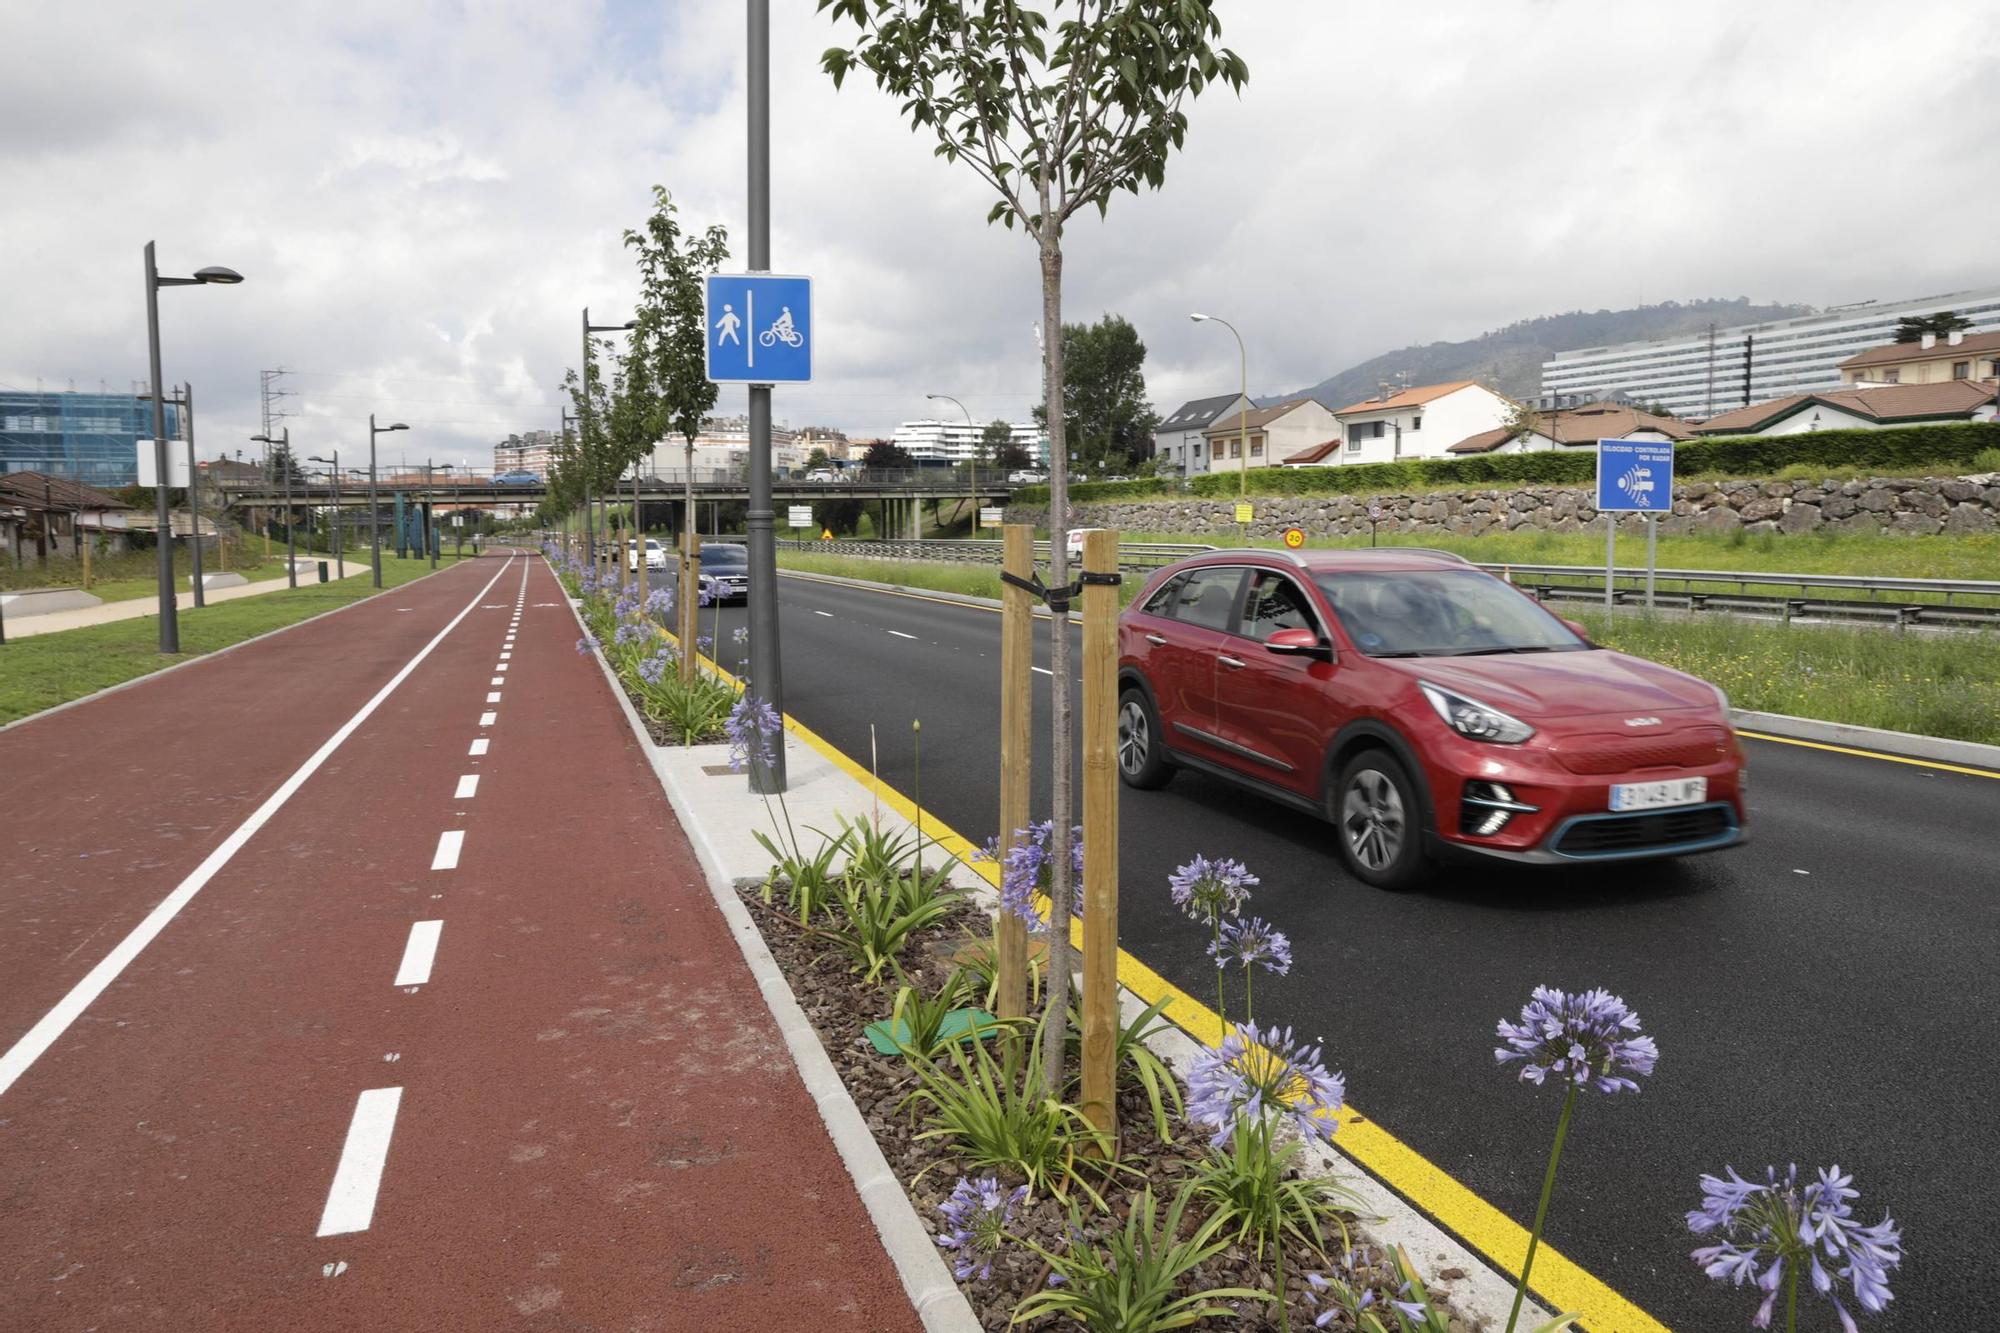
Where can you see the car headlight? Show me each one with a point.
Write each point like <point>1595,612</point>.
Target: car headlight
<point>1475,720</point>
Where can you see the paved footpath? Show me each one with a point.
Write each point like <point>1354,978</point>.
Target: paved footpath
<point>361,979</point>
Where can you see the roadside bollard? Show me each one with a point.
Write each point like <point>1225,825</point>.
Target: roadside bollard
<point>322,571</point>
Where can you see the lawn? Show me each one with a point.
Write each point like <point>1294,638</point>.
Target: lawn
<point>50,669</point>
<point>119,578</point>
<point>1932,684</point>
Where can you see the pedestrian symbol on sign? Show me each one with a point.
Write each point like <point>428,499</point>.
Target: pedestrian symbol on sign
<point>726,327</point>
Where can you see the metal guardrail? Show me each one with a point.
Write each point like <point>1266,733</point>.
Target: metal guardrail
<point>1858,599</point>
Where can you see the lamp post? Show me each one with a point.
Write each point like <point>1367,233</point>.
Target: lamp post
<point>339,548</point>
<point>1242,418</point>
<point>283,442</point>
<point>583,411</point>
<point>947,398</point>
<point>374,504</point>
<point>170,626</point>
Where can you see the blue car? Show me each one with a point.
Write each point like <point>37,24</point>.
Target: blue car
<point>517,478</point>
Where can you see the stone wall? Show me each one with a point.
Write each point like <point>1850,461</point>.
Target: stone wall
<point>1921,506</point>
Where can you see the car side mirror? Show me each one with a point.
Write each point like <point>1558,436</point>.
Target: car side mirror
<point>1297,643</point>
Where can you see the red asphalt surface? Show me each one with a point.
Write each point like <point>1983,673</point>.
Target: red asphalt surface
<point>599,1125</point>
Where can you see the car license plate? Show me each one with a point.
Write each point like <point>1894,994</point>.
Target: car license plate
<point>1658,795</point>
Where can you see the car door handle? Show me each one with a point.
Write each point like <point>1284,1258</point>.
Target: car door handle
<point>1233,663</point>
<point>1159,639</point>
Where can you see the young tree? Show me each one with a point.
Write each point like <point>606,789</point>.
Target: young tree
<point>592,453</point>
<point>1053,128</point>
<point>888,454</point>
<point>817,459</point>
<point>994,442</point>
<point>672,335</point>
<point>631,428</point>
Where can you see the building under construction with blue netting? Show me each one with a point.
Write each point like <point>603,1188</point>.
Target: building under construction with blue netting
<point>88,437</point>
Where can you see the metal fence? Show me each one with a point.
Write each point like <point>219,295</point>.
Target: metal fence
<point>1849,598</point>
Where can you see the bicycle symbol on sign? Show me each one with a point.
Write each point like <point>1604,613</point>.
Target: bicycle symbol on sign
<point>781,331</point>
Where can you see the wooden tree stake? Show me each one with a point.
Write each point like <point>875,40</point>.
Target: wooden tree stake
<point>1017,706</point>
<point>1100,834</point>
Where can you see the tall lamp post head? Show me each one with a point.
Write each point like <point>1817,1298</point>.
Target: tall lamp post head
<point>1197,317</point>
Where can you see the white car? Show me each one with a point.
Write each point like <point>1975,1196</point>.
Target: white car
<point>1025,477</point>
<point>824,475</point>
<point>656,555</point>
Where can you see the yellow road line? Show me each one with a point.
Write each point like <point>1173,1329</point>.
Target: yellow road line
<point>1869,754</point>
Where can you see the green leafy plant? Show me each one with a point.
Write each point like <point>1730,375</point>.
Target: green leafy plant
<point>976,955</point>
<point>918,1020</point>
<point>694,708</point>
<point>1130,1282</point>
<point>874,922</point>
<point>991,1112</point>
<point>1136,1063</point>
<point>1253,1185</point>
<point>876,854</point>
<point>809,880</point>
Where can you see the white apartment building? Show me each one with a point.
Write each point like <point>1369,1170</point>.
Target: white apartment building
<point>1700,375</point>
<point>532,451</point>
<point>959,442</point>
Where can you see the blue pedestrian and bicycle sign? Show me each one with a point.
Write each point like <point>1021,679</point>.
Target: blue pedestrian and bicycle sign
<point>1635,476</point>
<point>759,328</point>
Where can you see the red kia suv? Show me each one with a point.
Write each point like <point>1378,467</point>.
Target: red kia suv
<point>1427,709</point>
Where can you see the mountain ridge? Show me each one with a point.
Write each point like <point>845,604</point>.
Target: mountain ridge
<point>1510,359</point>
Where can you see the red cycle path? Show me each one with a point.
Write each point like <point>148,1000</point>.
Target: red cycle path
<point>599,1126</point>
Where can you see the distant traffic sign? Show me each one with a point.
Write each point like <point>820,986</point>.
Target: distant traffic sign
<point>1295,538</point>
<point>1635,476</point>
<point>992,516</point>
<point>759,328</point>
<point>801,516</point>
<point>1374,512</point>
<point>1244,512</point>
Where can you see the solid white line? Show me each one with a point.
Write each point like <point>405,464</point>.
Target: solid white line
<point>487,719</point>
<point>493,697</point>
<point>899,634</point>
<point>419,953</point>
<point>478,746</point>
<point>1044,670</point>
<point>468,787</point>
<point>350,1204</point>
<point>56,1021</point>
<point>450,844</point>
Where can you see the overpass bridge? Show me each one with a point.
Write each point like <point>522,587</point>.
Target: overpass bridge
<point>719,485</point>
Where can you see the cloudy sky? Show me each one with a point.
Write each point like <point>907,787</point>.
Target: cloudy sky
<point>423,194</point>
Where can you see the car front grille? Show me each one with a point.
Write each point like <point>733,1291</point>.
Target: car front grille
<point>1602,753</point>
<point>1655,830</point>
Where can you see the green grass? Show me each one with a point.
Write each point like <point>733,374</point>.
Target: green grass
<point>1932,684</point>
<point>119,578</point>
<point>49,669</point>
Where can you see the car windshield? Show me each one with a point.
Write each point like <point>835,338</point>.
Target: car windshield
<point>1441,613</point>
<point>724,555</point>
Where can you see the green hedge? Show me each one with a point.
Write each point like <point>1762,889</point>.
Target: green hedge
<point>1896,450</point>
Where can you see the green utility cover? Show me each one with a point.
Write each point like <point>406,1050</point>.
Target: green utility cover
<point>957,1026</point>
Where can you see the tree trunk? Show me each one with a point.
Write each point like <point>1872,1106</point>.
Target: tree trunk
<point>1061,801</point>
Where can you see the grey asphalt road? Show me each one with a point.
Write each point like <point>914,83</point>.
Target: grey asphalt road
<point>1824,994</point>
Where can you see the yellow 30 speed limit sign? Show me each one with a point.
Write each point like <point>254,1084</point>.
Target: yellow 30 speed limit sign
<point>1295,538</point>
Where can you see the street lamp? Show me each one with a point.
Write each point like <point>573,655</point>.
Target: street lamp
<point>947,398</point>
<point>1243,417</point>
<point>374,505</point>
<point>284,442</point>
<point>170,625</point>
<point>339,546</point>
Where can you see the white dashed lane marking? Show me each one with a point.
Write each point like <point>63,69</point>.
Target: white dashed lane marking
<point>350,1204</point>
<point>488,719</point>
<point>1044,670</point>
<point>827,614</point>
<point>419,953</point>
<point>468,787</point>
<point>450,844</point>
<point>899,634</point>
<point>493,697</point>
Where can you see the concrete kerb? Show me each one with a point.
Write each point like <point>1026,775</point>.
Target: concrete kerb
<point>932,1291</point>
<point>1483,1294</point>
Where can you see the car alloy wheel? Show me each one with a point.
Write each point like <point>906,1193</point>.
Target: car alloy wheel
<point>1135,737</point>
<point>1373,821</point>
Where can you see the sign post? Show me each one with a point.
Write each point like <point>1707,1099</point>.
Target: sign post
<point>1374,517</point>
<point>1633,477</point>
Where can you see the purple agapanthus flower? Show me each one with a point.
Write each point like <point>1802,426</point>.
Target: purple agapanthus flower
<point>1024,871</point>
<point>631,633</point>
<point>1257,1073</point>
<point>653,669</point>
<point>626,605</point>
<point>753,728</point>
<point>977,1216</point>
<point>740,635</point>
<point>1589,1039</point>
<point>660,602</point>
<point>1252,942</point>
<point>1209,890</point>
<point>1770,1232</point>
<point>704,643</point>
<point>587,645</point>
